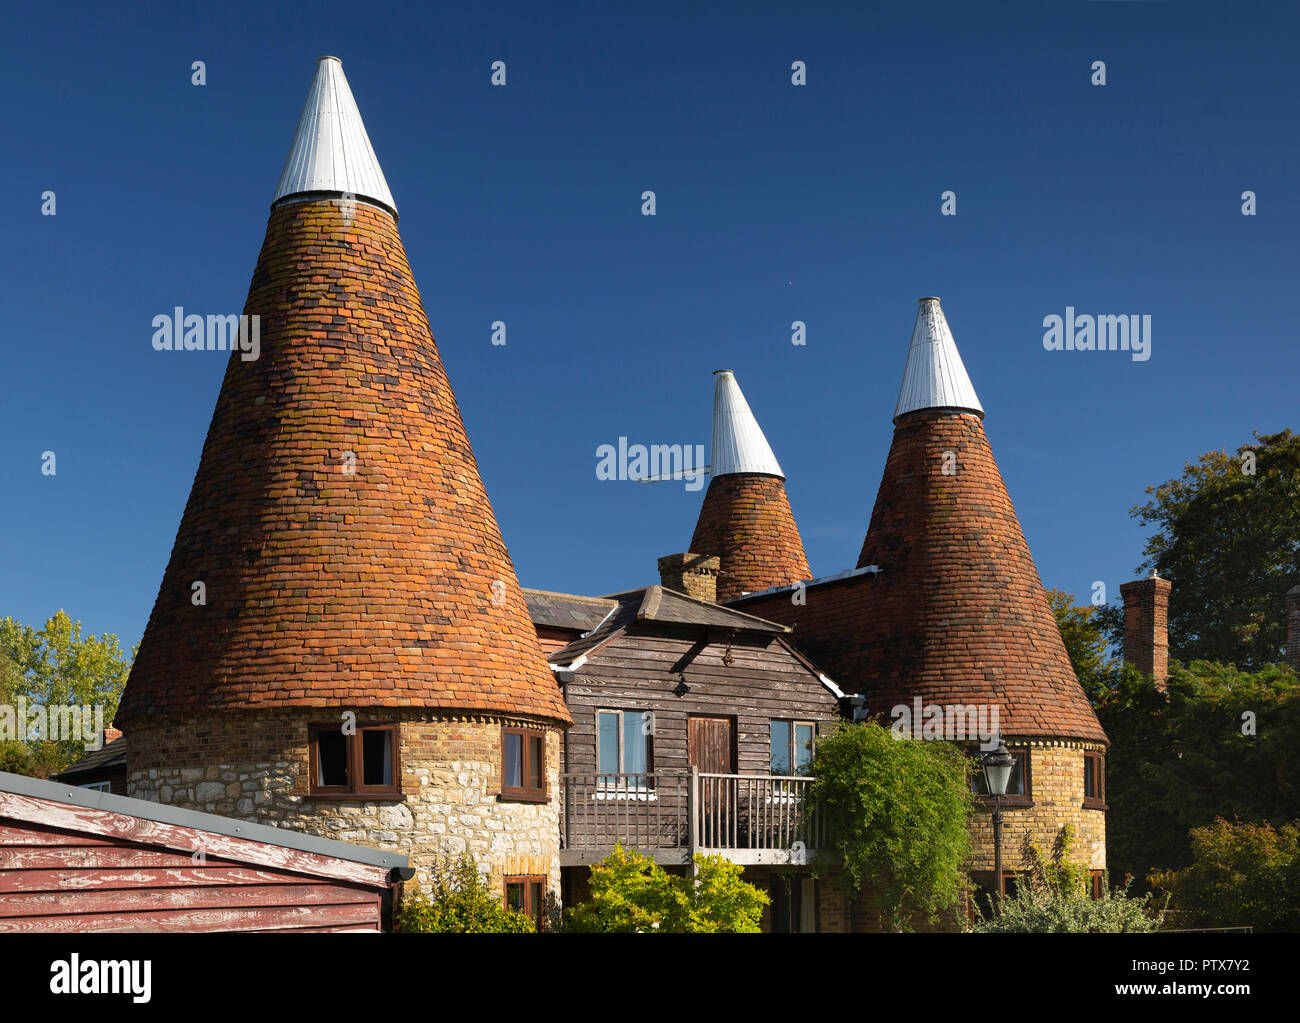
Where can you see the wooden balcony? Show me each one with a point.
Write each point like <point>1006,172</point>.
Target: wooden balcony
<point>748,818</point>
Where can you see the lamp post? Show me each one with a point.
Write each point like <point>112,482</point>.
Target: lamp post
<point>997,767</point>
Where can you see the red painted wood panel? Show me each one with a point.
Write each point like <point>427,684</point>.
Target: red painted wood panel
<point>49,813</point>
<point>211,897</point>
<point>196,920</point>
<point>127,874</point>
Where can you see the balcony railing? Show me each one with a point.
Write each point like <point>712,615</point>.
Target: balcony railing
<point>749,818</point>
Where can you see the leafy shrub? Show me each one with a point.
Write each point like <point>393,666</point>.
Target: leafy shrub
<point>1241,875</point>
<point>630,893</point>
<point>459,901</point>
<point>898,811</point>
<point>1052,897</point>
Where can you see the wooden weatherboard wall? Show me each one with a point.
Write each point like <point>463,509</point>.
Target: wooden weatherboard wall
<point>640,669</point>
<point>75,861</point>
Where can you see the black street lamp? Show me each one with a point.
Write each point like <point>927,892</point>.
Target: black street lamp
<point>997,767</point>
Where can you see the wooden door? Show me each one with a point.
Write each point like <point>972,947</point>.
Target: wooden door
<point>710,747</point>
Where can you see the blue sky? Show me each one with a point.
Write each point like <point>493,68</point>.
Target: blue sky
<point>775,203</point>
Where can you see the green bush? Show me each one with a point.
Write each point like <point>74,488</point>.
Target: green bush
<point>630,893</point>
<point>1241,875</point>
<point>459,901</point>
<point>898,811</point>
<point>1052,896</point>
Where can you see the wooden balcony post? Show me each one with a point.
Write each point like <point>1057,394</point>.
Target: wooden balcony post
<point>693,811</point>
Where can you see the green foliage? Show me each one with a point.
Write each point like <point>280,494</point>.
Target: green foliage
<point>1177,762</point>
<point>1230,543</point>
<point>1241,875</point>
<point>898,811</point>
<point>630,893</point>
<point>56,665</point>
<point>459,901</point>
<point>1085,643</point>
<point>1052,897</point>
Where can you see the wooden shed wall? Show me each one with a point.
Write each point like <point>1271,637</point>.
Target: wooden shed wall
<point>62,880</point>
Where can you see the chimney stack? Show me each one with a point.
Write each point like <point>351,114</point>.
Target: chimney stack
<point>696,575</point>
<point>1293,628</point>
<point>1146,626</point>
<point>111,734</point>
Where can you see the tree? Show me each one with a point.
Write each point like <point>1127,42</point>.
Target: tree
<point>631,894</point>
<point>1228,537</point>
<point>1241,875</point>
<point>1085,643</point>
<point>459,901</point>
<point>1217,742</point>
<point>898,811</point>
<point>55,666</point>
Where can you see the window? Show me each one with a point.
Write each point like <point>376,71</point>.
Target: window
<point>791,744</point>
<point>624,745</point>
<point>1019,788</point>
<point>981,899</point>
<point>98,786</point>
<point>1097,884</point>
<point>794,904</point>
<point>523,765</point>
<point>527,894</point>
<point>363,763</point>
<point>1094,781</point>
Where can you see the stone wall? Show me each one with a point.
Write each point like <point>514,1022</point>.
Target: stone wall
<point>254,766</point>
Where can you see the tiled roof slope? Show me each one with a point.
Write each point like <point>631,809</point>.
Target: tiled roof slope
<point>958,613</point>
<point>389,586</point>
<point>567,610</point>
<point>747,523</point>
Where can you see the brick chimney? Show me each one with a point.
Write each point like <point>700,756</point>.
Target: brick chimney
<point>111,734</point>
<point>696,575</point>
<point>1293,628</point>
<point>1146,626</point>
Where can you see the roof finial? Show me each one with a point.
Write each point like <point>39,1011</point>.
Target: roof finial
<point>935,377</point>
<point>331,151</point>
<point>738,444</point>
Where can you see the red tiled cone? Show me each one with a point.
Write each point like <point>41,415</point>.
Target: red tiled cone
<point>387,586</point>
<point>959,614</point>
<point>747,523</point>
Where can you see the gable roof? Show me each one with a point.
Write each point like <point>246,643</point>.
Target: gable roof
<point>664,606</point>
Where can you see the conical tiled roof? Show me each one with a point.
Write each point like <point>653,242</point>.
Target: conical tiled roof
<point>958,613</point>
<point>746,519</point>
<point>337,520</point>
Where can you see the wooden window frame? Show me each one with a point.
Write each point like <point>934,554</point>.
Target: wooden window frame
<point>522,793</point>
<point>355,790</point>
<point>1096,883</point>
<point>1012,801</point>
<point>1097,802</point>
<point>536,913</point>
<point>984,879</point>
<point>794,724</point>
<point>622,764</point>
